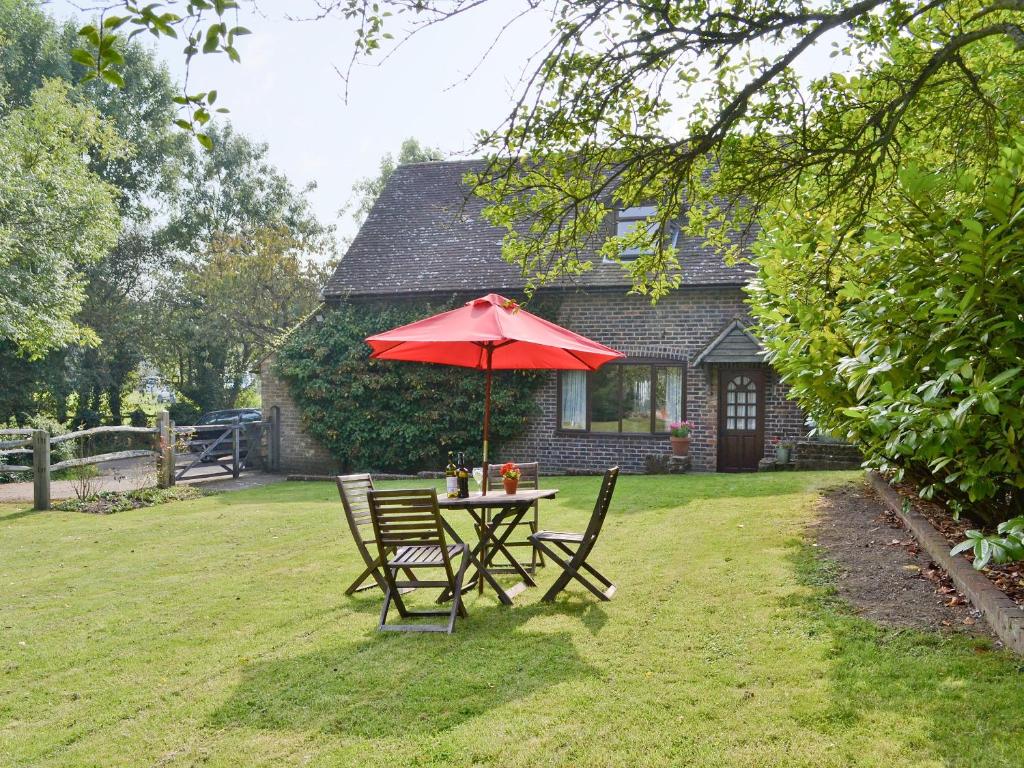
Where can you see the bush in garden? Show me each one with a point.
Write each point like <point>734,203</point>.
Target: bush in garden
<point>386,415</point>
<point>908,338</point>
<point>138,418</point>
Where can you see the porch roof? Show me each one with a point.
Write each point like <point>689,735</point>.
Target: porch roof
<point>733,344</point>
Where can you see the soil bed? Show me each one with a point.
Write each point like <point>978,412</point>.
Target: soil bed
<point>1008,578</point>
<point>881,571</point>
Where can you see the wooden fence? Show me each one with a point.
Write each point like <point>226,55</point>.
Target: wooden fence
<point>178,450</point>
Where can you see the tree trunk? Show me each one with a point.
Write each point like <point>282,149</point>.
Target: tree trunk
<point>114,399</point>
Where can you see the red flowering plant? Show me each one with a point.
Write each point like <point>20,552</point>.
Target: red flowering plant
<point>680,428</point>
<point>511,470</point>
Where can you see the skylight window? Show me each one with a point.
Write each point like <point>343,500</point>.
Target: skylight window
<point>628,220</point>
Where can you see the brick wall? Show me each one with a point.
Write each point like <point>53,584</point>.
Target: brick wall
<point>301,453</point>
<point>678,327</point>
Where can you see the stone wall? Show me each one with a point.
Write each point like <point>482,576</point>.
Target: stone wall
<point>301,453</point>
<point>813,454</point>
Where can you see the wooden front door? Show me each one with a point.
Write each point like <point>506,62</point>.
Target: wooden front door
<point>740,419</point>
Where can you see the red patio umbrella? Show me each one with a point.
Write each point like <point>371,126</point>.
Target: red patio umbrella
<point>491,333</point>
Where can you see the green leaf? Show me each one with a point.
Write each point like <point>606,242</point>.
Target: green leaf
<point>112,77</point>
<point>205,140</point>
<point>83,57</point>
<point>990,402</point>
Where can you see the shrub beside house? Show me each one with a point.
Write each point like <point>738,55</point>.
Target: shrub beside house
<point>689,357</point>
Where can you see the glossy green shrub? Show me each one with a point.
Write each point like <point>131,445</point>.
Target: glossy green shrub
<point>908,337</point>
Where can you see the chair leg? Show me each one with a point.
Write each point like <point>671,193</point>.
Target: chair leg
<point>458,609</point>
<point>359,586</point>
<point>384,609</point>
<point>570,571</point>
<point>538,555</point>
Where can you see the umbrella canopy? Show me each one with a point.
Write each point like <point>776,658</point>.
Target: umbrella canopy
<point>490,333</point>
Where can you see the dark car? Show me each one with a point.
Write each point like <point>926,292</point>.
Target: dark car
<point>205,437</point>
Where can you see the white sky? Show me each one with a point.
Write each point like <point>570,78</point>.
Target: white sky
<point>286,92</point>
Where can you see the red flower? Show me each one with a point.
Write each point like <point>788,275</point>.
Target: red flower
<point>510,470</point>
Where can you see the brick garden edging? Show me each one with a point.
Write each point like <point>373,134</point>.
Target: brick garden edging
<point>1004,616</point>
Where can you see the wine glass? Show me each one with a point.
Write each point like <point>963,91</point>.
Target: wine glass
<point>478,475</point>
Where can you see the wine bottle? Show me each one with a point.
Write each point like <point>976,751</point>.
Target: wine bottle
<point>463,477</point>
<point>451,480</point>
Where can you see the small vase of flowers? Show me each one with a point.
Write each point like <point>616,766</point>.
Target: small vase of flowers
<point>510,473</point>
<point>679,435</point>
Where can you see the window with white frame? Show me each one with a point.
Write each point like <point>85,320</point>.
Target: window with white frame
<point>624,398</point>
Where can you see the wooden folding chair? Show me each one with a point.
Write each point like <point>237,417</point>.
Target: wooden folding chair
<point>353,489</point>
<point>408,523</point>
<point>528,481</point>
<point>576,547</point>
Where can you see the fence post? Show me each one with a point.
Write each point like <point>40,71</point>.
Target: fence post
<point>236,431</point>
<point>40,469</point>
<point>165,475</point>
<point>275,439</point>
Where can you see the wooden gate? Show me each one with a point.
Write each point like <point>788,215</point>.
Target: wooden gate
<point>216,450</point>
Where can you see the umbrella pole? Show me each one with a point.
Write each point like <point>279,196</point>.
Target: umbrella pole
<point>487,416</point>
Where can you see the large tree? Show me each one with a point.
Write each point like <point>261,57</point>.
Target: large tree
<point>117,284</point>
<point>57,217</point>
<point>247,247</point>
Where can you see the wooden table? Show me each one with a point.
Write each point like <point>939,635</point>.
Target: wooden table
<point>506,511</point>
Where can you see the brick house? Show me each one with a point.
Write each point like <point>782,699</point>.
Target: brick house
<point>690,356</point>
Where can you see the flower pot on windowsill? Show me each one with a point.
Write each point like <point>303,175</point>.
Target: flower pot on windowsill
<point>680,446</point>
<point>511,485</point>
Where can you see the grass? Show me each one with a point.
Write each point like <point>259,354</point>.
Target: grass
<point>215,632</point>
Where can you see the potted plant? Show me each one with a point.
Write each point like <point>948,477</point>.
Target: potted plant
<point>510,473</point>
<point>782,450</point>
<point>679,434</point>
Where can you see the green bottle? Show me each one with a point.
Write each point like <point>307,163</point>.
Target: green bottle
<point>451,480</point>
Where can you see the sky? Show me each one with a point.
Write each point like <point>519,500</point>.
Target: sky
<point>287,93</point>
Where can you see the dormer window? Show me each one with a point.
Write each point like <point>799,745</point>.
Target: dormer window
<point>627,220</point>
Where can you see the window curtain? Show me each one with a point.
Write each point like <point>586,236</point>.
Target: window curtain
<point>574,400</point>
<point>674,394</point>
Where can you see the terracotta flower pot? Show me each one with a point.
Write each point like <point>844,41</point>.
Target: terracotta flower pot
<point>680,446</point>
<point>511,484</point>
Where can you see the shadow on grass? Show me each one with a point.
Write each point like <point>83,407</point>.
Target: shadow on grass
<point>955,692</point>
<point>18,514</point>
<point>392,684</point>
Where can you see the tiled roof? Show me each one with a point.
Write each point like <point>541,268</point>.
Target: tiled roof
<point>425,233</point>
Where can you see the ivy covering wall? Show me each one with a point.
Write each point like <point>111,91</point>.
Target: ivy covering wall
<point>379,415</point>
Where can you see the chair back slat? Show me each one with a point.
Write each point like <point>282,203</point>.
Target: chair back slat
<point>352,489</point>
<point>529,480</point>
<point>404,518</point>
<point>597,518</point>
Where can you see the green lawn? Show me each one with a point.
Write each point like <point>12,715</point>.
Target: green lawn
<point>214,632</point>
